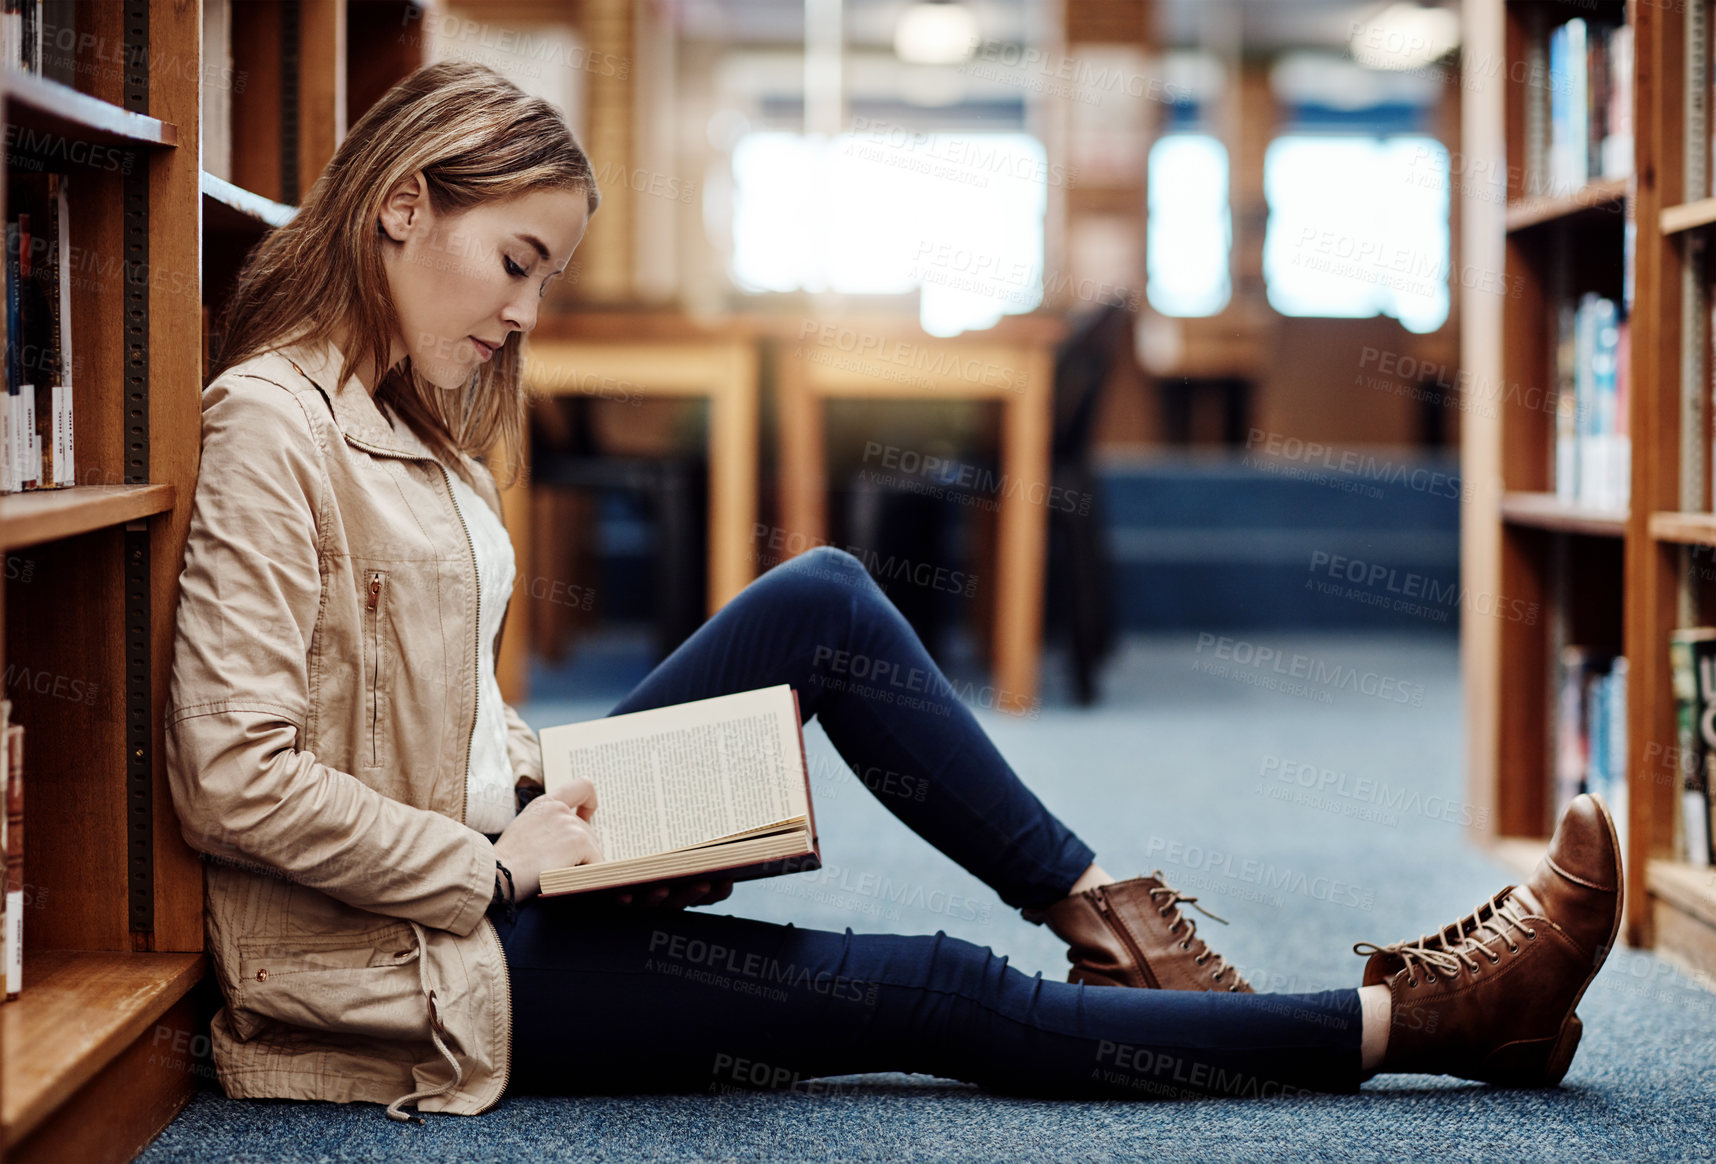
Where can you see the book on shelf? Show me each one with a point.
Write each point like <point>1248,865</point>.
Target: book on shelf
<point>718,787</point>
<point>216,134</point>
<point>1590,728</point>
<point>39,447</point>
<point>1692,658</point>
<point>1593,444</point>
<point>1590,102</point>
<point>5,833</point>
<point>14,934</point>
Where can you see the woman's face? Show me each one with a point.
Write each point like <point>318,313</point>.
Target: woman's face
<point>463,284</point>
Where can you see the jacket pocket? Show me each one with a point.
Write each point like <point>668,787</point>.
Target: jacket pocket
<point>375,650</point>
<point>363,983</point>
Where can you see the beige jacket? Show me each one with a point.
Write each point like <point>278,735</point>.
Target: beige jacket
<point>319,728</point>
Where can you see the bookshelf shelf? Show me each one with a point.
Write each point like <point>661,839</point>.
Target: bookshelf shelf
<point>1687,529</point>
<point>28,519</point>
<point>36,103</point>
<point>1604,197</point>
<point>1550,512</point>
<point>230,209</point>
<point>1687,216</point>
<point>1683,912</point>
<point>80,1009</point>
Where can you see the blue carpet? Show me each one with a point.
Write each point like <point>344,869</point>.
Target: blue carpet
<point>1181,766</point>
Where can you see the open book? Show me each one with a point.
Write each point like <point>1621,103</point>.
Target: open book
<point>718,787</point>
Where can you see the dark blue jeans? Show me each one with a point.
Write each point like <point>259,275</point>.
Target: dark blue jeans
<point>612,998</point>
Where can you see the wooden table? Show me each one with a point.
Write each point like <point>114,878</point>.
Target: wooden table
<point>624,357</point>
<point>1012,364</point>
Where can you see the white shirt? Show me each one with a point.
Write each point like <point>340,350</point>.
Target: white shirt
<point>489,796</point>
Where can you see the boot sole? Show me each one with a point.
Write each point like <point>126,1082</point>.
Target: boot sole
<point>1544,1063</point>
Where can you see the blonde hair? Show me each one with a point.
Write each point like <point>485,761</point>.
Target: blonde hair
<point>475,136</point>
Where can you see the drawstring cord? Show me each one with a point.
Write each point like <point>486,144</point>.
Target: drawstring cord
<point>436,1030</point>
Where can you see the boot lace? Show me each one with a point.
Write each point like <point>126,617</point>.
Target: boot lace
<point>1459,946</point>
<point>1168,900</point>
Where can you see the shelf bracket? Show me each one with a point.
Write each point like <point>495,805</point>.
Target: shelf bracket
<point>139,696</point>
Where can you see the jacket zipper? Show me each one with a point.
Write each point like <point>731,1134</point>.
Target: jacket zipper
<point>371,607</point>
<point>1126,940</point>
<point>465,784</point>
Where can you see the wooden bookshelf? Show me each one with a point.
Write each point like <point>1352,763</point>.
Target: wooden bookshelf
<point>1550,512</point>
<point>1624,580</point>
<point>27,519</point>
<point>1606,196</point>
<point>109,1038</point>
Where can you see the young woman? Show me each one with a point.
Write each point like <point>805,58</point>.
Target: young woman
<point>339,750</point>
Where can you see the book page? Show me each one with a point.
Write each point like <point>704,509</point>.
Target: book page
<point>675,777</point>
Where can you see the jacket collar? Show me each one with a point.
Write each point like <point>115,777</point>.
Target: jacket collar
<point>356,413</point>
<point>360,420</point>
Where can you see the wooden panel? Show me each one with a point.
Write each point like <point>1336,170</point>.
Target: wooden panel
<point>78,1014</point>
<point>67,690</point>
<point>1595,198</point>
<point>384,44</point>
<point>1522,784</point>
<point>175,431</point>
<point>35,104</point>
<point>256,106</point>
<point>1548,511</point>
<point>116,1114</point>
<point>1656,339</point>
<point>321,87</point>
<point>1687,216</point>
<point>27,519</point>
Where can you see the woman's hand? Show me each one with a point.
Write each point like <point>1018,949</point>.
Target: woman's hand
<point>677,894</point>
<point>552,832</point>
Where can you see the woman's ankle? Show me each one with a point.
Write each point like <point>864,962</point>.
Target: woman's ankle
<point>1090,879</point>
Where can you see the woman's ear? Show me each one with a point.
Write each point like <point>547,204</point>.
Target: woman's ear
<point>405,207</point>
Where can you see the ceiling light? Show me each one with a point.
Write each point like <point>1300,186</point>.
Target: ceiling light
<point>936,32</point>
<point>1405,36</point>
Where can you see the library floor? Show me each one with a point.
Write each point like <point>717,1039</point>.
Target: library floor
<point>1179,762</point>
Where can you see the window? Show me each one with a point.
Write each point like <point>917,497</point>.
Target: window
<point>959,215</point>
<point>1189,236</point>
<point>1358,226</point>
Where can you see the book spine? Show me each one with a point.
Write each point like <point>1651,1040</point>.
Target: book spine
<point>65,463</point>
<point>1617,794</point>
<point>14,363</point>
<point>1695,140</point>
<point>29,357</point>
<point>5,832</point>
<point>1698,799</point>
<point>1694,831</point>
<point>1572,752</point>
<point>14,859</point>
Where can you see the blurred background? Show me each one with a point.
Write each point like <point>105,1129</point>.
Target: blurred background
<point>1073,320</point>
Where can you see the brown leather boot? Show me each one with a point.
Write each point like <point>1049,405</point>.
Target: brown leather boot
<point>1131,933</point>
<point>1491,997</point>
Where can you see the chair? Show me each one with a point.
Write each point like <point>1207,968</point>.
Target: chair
<point>897,524</point>
<point>565,456</point>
